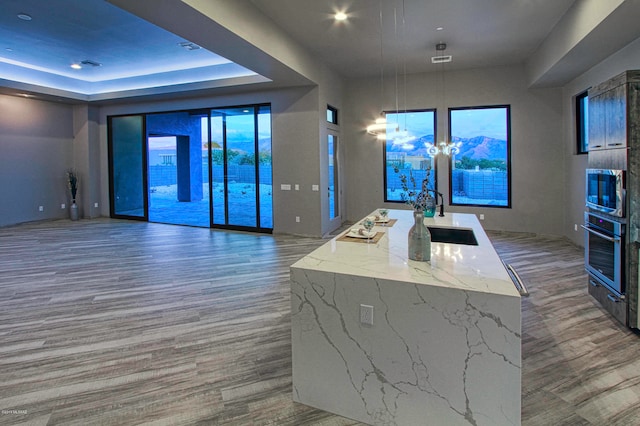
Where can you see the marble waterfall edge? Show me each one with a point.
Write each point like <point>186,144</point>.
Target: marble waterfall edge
<point>434,354</point>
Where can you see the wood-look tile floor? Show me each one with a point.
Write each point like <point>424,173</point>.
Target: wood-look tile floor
<point>110,322</point>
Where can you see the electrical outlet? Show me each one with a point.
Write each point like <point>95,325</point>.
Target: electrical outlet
<point>297,219</point>
<point>95,205</point>
<point>315,187</point>
<point>285,187</point>
<point>62,206</point>
<point>297,187</point>
<point>366,314</point>
<point>575,226</point>
<point>481,217</point>
<point>41,208</point>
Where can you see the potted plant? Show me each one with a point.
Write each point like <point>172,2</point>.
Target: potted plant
<point>420,199</point>
<point>72,182</point>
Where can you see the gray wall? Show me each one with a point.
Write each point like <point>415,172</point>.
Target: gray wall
<point>36,150</point>
<point>86,159</point>
<point>40,140</point>
<point>295,136</point>
<point>536,143</point>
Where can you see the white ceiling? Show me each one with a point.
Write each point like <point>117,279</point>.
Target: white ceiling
<point>478,33</point>
<point>135,54</point>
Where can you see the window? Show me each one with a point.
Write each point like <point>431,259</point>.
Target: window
<point>405,151</point>
<point>480,171</point>
<point>582,123</point>
<point>332,161</point>
<point>332,114</point>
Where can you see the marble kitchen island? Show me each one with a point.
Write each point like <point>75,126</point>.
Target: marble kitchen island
<point>444,346</point>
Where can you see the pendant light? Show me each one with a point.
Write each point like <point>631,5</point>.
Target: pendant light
<point>444,147</point>
<point>401,137</point>
<point>381,126</point>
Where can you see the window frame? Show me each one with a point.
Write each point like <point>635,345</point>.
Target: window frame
<point>507,107</point>
<point>434,159</point>
<point>582,122</point>
<point>334,114</point>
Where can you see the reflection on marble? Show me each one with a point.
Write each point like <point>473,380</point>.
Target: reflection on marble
<point>444,347</point>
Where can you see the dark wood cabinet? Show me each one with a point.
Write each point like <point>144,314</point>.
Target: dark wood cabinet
<point>616,116</point>
<point>608,114</point>
<point>597,132</point>
<point>614,143</point>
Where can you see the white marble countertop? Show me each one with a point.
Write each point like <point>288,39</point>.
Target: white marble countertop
<point>464,267</point>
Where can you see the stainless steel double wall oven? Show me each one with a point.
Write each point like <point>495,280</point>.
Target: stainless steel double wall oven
<point>605,227</point>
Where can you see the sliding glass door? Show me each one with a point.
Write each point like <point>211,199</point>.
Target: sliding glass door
<point>127,167</point>
<point>241,167</point>
<point>198,168</point>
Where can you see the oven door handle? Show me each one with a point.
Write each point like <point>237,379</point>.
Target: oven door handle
<point>600,234</point>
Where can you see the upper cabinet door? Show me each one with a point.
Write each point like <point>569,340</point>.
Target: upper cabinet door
<point>608,119</point>
<point>597,119</point>
<point>616,117</point>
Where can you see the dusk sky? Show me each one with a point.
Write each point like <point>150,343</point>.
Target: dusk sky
<point>466,123</point>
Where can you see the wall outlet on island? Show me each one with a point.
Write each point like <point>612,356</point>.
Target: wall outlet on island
<point>481,217</point>
<point>366,314</point>
<point>297,219</point>
<point>575,226</point>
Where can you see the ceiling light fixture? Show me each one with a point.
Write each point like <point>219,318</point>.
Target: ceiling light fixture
<point>25,16</point>
<point>403,137</point>
<point>92,63</point>
<point>444,147</point>
<point>340,16</point>
<point>189,45</point>
<point>380,127</point>
<point>76,66</point>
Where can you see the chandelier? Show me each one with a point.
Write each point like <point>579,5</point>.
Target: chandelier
<point>381,127</point>
<point>445,147</point>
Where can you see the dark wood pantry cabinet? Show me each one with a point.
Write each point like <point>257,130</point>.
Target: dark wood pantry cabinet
<point>614,143</point>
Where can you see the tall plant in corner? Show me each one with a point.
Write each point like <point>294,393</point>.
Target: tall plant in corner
<point>72,181</point>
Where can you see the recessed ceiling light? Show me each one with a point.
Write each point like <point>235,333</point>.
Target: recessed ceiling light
<point>90,62</point>
<point>439,29</point>
<point>24,16</point>
<point>188,45</point>
<point>76,66</point>
<point>340,16</point>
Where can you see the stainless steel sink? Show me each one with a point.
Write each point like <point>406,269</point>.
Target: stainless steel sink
<point>452,235</point>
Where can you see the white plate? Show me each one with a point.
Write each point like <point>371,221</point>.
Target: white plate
<point>381,220</point>
<point>355,233</point>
